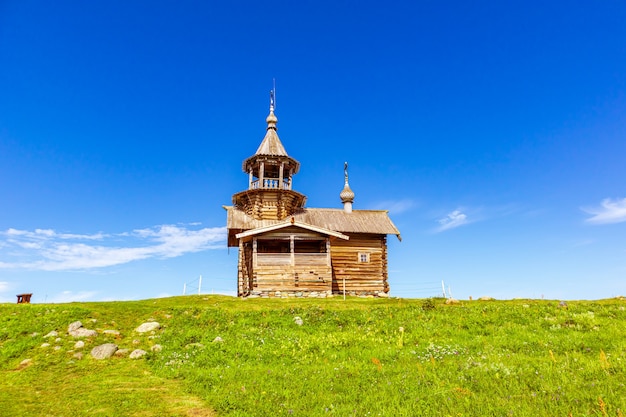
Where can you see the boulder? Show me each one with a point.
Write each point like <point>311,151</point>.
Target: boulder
<point>76,329</point>
<point>82,332</point>
<point>74,326</point>
<point>104,351</point>
<point>121,352</point>
<point>137,353</point>
<point>148,327</point>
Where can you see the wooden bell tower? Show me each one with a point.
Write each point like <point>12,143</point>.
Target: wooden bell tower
<point>270,178</point>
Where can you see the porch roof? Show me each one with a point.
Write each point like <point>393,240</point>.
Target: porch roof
<point>289,223</point>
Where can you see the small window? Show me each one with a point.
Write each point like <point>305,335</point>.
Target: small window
<point>364,257</point>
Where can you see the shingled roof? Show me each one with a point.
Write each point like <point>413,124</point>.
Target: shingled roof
<point>271,144</point>
<point>358,221</point>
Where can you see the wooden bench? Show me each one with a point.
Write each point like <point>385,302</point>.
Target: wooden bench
<point>24,298</point>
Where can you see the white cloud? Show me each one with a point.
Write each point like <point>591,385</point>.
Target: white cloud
<point>47,250</point>
<point>454,219</point>
<point>396,206</point>
<point>4,286</point>
<point>610,211</point>
<point>70,296</point>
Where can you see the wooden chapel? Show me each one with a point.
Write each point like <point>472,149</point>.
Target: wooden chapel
<point>288,250</point>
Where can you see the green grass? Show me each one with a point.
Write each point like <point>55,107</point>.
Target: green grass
<point>361,357</point>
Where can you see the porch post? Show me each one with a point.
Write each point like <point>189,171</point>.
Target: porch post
<point>328,263</point>
<point>292,247</point>
<point>262,175</point>
<point>254,257</point>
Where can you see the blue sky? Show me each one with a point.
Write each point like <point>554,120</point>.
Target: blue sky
<point>493,132</point>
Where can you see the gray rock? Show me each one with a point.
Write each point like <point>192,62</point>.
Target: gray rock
<point>78,355</point>
<point>82,332</point>
<point>112,332</point>
<point>148,327</point>
<point>57,348</point>
<point>218,340</point>
<point>76,329</point>
<point>45,345</point>
<point>25,363</point>
<point>156,348</point>
<point>383,295</point>
<point>137,353</point>
<point>298,321</point>
<point>58,339</point>
<point>79,345</point>
<point>122,352</point>
<point>74,326</point>
<point>53,333</point>
<point>104,351</point>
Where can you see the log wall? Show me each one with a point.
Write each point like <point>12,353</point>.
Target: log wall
<point>361,278</point>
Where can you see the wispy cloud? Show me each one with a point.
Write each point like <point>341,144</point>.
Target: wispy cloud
<point>396,206</point>
<point>71,296</point>
<point>452,220</point>
<point>4,286</point>
<point>610,211</point>
<point>48,250</point>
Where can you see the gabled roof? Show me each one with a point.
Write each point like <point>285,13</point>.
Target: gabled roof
<point>358,221</point>
<point>290,223</point>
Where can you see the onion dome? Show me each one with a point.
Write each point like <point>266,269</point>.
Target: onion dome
<point>347,195</point>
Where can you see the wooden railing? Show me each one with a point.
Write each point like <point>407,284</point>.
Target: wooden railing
<point>285,258</point>
<point>270,183</point>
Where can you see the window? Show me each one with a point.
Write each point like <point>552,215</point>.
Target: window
<point>364,257</point>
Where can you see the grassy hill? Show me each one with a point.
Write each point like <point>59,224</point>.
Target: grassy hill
<point>222,356</point>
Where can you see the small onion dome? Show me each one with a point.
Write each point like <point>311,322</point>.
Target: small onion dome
<point>271,120</point>
<point>347,195</point>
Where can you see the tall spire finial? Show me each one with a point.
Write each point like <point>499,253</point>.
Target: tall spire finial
<point>273,95</point>
<point>271,118</point>
<point>345,171</point>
